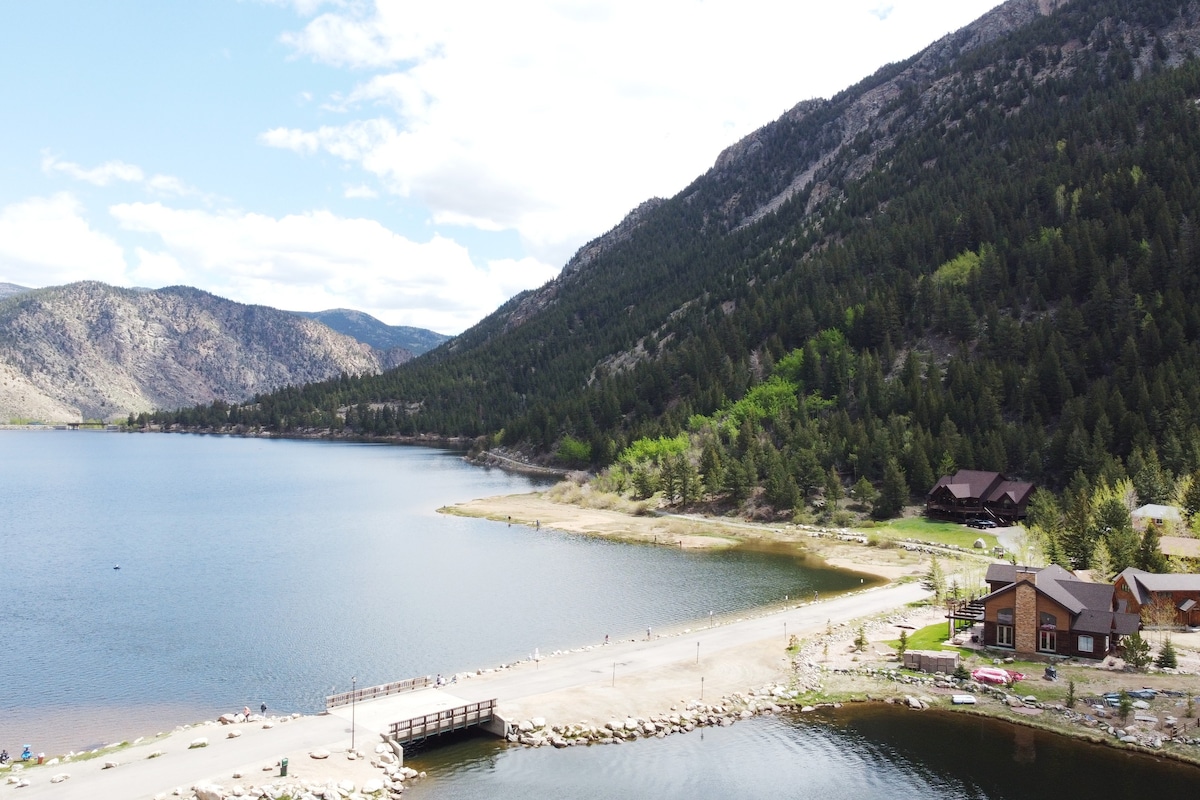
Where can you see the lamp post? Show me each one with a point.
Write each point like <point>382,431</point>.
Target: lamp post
<point>353,704</point>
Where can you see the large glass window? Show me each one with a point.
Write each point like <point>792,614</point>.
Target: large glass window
<point>1047,641</point>
<point>1047,622</point>
<point>1004,616</point>
<point>1086,644</point>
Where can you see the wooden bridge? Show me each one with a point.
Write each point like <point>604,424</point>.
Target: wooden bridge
<point>413,710</point>
<point>472,715</point>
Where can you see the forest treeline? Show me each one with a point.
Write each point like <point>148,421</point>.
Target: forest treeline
<point>1013,285</point>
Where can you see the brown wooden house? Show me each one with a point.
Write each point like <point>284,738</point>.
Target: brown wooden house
<point>972,493</point>
<point>1136,591</point>
<point>1050,612</point>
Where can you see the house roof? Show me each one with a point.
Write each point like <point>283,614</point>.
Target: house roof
<point>1155,511</point>
<point>1142,584</point>
<point>972,481</point>
<point>1005,573</point>
<point>1105,622</point>
<point>1016,491</point>
<point>1087,602</point>
<point>988,487</point>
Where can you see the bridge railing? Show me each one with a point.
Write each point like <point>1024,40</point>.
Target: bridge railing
<point>383,690</point>
<point>450,719</point>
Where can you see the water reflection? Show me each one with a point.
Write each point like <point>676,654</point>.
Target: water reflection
<point>862,752</point>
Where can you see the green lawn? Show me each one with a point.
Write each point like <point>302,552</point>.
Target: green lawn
<point>936,531</point>
<point>931,637</point>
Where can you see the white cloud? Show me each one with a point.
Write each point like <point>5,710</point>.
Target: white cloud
<point>46,241</point>
<point>117,171</point>
<point>156,270</point>
<point>102,175</point>
<point>360,192</point>
<point>317,260</point>
<point>556,119</point>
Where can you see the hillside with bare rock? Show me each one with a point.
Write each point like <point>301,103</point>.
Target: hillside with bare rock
<point>92,351</point>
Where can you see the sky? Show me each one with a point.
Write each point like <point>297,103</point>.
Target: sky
<point>422,162</point>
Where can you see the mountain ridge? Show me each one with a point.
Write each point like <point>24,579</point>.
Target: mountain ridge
<point>93,351</point>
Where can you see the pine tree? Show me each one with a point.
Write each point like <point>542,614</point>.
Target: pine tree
<point>934,579</point>
<point>1166,656</point>
<point>1101,566</point>
<point>893,494</point>
<point>1150,556</point>
<point>1137,650</point>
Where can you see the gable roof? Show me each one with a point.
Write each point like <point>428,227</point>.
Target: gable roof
<point>1142,584</point>
<point>967,482</point>
<point>988,487</point>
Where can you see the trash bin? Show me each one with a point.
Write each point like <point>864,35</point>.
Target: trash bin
<point>283,768</point>
<point>41,758</point>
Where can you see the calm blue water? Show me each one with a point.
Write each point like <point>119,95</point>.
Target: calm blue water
<point>272,571</point>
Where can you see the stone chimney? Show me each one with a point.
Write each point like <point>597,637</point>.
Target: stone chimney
<point>1025,618</point>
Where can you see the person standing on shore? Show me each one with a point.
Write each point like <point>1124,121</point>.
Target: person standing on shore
<point>263,709</point>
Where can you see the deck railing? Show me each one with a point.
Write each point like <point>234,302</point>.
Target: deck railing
<point>383,690</point>
<point>451,719</point>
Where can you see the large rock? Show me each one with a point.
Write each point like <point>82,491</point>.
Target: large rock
<point>319,754</point>
<point>209,791</point>
<point>200,742</point>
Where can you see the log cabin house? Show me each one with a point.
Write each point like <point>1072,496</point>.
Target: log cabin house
<point>1152,597</point>
<point>971,493</point>
<point>1048,611</point>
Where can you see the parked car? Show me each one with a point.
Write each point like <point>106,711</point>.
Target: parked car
<point>981,523</point>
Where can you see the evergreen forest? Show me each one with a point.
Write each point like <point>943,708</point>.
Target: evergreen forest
<point>999,269</point>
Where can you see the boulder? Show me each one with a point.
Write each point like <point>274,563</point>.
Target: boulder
<point>60,777</point>
<point>233,734</point>
<point>319,754</point>
<point>109,765</point>
<point>200,742</point>
<point>208,791</point>
<point>373,786</point>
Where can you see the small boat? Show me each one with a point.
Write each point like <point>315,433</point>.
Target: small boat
<point>116,566</point>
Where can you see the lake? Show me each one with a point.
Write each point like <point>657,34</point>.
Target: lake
<point>272,571</point>
<point>257,570</point>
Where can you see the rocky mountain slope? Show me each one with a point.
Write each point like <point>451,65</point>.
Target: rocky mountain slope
<point>92,351</point>
<point>398,343</point>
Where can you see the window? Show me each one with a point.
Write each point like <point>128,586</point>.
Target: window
<point>1004,616</point>
<point>1047,641</point>
<point>1047,622</point>
<point>1086,644</point>
<point>1004,635</point>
